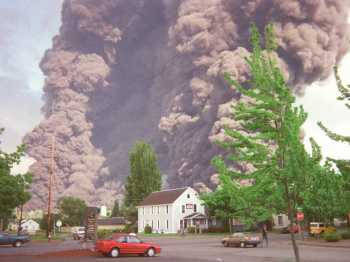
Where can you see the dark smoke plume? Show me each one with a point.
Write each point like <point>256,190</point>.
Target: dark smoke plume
<point>123,70</point>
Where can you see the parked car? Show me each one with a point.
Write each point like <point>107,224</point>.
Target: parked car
<point>78,233</point>
<point>240,240</point>
<point>317,228</point>
<point>14,240</point>
<point>290,229</point>
<point>121,244</point>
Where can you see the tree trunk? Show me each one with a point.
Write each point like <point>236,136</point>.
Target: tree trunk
<point>230,225</point>
<point>291,214</point>
<point>19,229</point>
<point>295,247</point>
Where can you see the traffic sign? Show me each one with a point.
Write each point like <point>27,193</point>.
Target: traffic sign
<point>300,216</point>
<point>59,223</point>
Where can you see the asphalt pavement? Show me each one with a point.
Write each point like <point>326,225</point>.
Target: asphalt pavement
<point>186,249</point>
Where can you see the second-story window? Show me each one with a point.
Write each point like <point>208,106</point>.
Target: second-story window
<point>194,208</point>
<point>183,209</point>
<point>167,209</point>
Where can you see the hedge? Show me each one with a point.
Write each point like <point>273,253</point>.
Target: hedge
<point>332,237</point>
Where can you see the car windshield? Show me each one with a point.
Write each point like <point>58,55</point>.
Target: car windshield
<point>313,224</point>
<point>132,239</point>
<point>238,235</point>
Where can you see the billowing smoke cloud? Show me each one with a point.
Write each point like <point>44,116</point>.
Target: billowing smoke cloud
<point>120,71</point>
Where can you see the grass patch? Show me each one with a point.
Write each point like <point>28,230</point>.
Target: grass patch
<point>41,236</point>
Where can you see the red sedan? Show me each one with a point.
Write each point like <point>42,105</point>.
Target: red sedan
<point>121,244</point>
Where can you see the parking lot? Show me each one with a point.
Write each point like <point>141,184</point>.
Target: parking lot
<point>188,248</point>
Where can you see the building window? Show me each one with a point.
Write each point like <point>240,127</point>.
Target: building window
<point>158,224</point>
<point>167,224</point>
<point>194,208</point>
<point>188,196</point>
<point>280,220</point>
<point>183,209</point>
<point>167,209</point>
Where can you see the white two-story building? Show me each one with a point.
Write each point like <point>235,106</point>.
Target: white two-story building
<point>171,210</point>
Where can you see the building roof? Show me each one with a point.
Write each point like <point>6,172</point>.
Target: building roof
<point>111,221</point>
<point>163,197</point>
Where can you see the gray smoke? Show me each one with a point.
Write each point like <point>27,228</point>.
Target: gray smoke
<point>122,70</point>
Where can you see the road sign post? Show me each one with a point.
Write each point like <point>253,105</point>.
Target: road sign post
<point>59,224</point>
<point>300,218</point>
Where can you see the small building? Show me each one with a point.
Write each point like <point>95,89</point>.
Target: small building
<point>111,223</point>
<point>169,211</point>
<point>30,226</point>
<point>280,221</point>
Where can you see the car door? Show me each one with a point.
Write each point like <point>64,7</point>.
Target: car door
<point>122,244</point>
<point>4,239</point>
<point>135,246</point>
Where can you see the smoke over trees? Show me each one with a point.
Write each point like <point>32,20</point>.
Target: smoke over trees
<point>120,71</point>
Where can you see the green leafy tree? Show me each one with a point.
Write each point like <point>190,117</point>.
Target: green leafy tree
<point>145,176</point>
<point>116,209</point>
<point>71,210</point>
<point>323,201</point>
<point>342,164</point>
<point>43,221</point>
<point>270,142</point>
<point>222,203</point>
<point>13,188</point>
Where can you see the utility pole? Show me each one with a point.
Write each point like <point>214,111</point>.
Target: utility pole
<point>51,173</point>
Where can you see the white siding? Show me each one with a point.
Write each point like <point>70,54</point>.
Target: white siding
<point>173,216</point>
<point>147,217</point>
<point>280,221</point>
<point>183,200</point>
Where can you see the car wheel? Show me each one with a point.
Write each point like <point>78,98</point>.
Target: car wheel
<point>226,244</point>
<point>242,244</point>
<point>17,244</point>
<point>114,252</point>
<point>151,252</point>
<point>255,245</point>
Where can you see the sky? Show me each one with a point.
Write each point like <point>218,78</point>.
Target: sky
<point>27,30</point>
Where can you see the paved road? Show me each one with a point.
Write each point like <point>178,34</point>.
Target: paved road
<point>188,249</point>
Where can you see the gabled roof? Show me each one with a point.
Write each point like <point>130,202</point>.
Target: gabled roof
<point>163,197</point>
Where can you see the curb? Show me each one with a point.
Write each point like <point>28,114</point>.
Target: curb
<point>323,245</point>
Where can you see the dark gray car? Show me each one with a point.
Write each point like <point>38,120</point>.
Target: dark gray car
<point>14,240</point>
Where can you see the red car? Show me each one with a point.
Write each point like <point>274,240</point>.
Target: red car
<point>121,244</point>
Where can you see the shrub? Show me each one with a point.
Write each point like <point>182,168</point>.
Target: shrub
<point>131,228</point>
<point>191,230</point>
<point>148,229</point>
<point>345,235</point>
<point>215,230</point>
<point>104,233</point>
<point>332,237</point>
